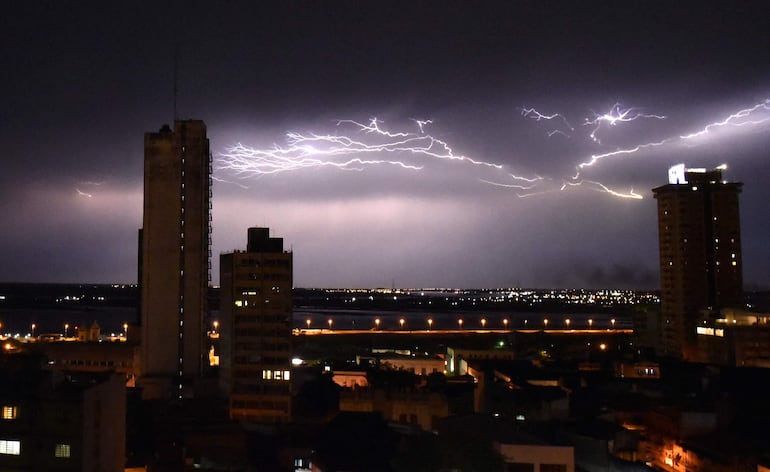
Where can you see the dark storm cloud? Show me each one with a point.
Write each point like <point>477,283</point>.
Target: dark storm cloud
<point>82,82</point>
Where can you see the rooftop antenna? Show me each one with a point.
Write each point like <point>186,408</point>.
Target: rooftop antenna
<point>176,67</point>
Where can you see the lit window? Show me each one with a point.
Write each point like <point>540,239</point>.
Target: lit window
<point>10,447</point>
<point>62,450</point>
<point>238,303</point>
<point>267,375</point>
<point>285,375</point>
<point>9,412</point>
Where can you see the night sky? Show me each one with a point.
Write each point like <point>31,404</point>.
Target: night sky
<point>485,195</point>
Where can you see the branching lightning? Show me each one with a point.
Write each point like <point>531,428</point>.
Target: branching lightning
<point>735,119</point>
<point>419,151</point>
<point>334,150</point>
<point>422,123</point>
<point>537,116</point>
<point>617,114</point>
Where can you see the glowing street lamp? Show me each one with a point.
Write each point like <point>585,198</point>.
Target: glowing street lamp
<point>66,327</point>
<point>330,323</point>
<point>590,323</point>
<point>401,322</point>
<point>125,330</point>
<point>505,323</point>
<point>216,326</point>
<point>307,323</point>
<point>545,322</point>
<point>377,323</point>
<point>460,322</point>
<point>567,322</point>
<point>33,329</point>
<point>430,323</point>
<point>612,321</point>
<point>483,323</point>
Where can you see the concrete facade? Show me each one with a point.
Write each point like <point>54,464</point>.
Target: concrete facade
<point>174,267</point>
<point>700,254</point>
<point>255,321</point>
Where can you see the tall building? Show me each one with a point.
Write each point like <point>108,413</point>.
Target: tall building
<point>255,329</point>
<point>700,253</point>
<point>175,254</point>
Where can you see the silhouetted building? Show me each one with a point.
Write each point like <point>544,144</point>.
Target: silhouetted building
<point>255,321</point>
<point>700,253</point>
<point>174,269</point>
<point>56,422</point>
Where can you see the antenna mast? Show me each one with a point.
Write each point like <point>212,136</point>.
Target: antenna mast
<point>176,66</point>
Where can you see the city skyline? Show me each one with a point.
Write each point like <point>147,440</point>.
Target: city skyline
<point>85,83</point>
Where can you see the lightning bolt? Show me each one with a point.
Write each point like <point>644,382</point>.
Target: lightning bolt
<point>740,118</point>
<point>616,114</point>
<point>316,150</point>
<point>347,148</point>
<point>532,181</point>
<point>422,123</point>
<point>83,193</point>
<point>734,120</point>
<point>557,131</point>
<point>537,116</point>
<point>595,158</point>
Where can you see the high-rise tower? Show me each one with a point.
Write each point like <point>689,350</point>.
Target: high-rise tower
<point>700,253</point>
<point>175,246</point>
<point>255,315</point>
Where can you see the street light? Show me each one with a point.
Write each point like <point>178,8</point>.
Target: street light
<point>567,322</point>
<point>430,323</point>
<point>590,323</point>
<point>505,323</point>
<point>612,321</point>
<point>483,323</point>
<point>330,323</point>
<point>125,330</point>
<point>307,322</point>
<point>216,325</point>
<point>66,327</point>
<point>33,329</point>
<point>460,322</point>
<point>377,323</point>
<point>545,322</point>
<point>401,322</point>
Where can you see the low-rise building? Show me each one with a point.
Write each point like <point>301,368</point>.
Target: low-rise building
<point>411,406</point>
<point>57,422</point>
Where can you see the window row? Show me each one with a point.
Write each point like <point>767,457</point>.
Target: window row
<point>12,447</point>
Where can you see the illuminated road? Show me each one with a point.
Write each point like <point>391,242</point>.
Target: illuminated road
<point>325,331</point>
